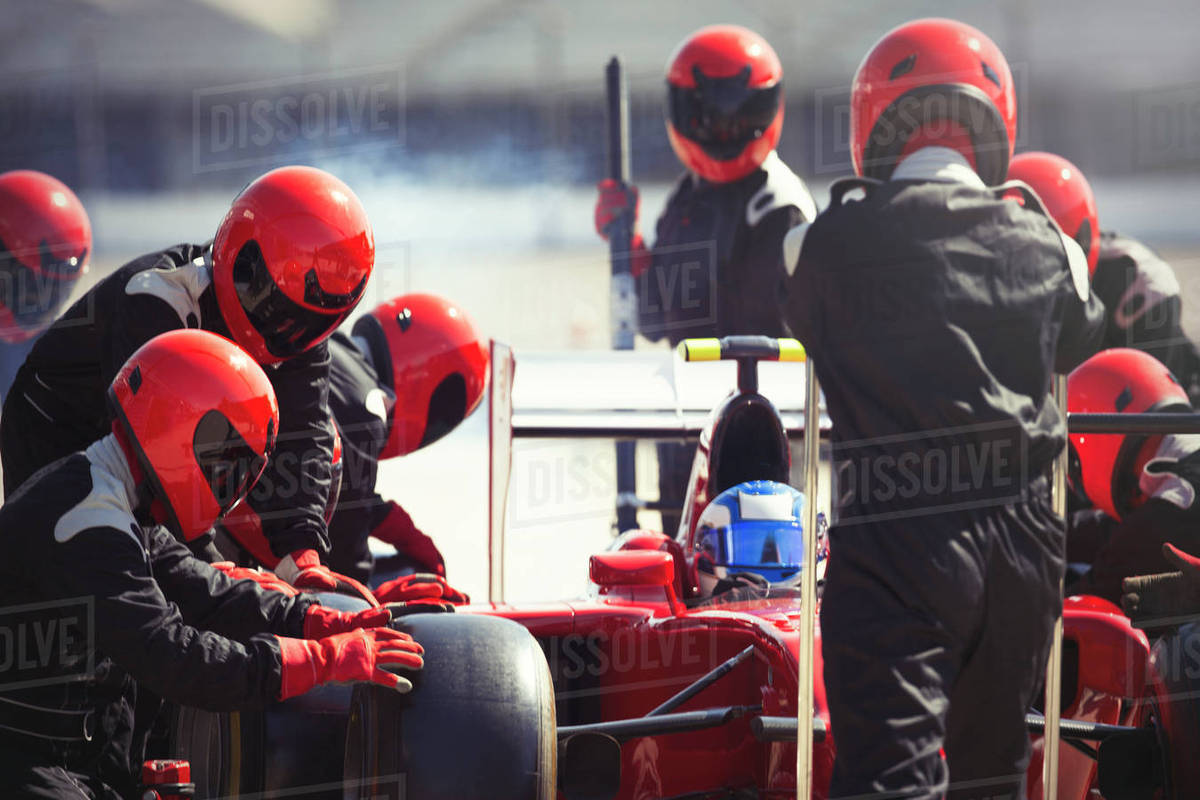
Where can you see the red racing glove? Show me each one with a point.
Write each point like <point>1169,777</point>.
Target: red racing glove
<point>321,621</point>
<point>616,201</point>
<point>304,570</point>
<point>421,586</point>
<point>267,580</point>
<point>398,530</point>
<point>373,655</point>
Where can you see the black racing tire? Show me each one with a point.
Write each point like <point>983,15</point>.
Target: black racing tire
<point>295,745</point>
<point>479,723</point>
<point>1176,716</point>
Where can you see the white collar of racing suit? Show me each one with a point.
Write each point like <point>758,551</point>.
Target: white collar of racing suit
<point>111,498</point>
<point>932,163</point>
<point>1173,488</point>
<point>107,454</point>
<point>941,164</point>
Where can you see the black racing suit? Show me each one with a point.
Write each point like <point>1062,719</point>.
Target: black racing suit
<point>57,404</point>
<point>362,407</point>
<point>936,313</point>
<point>1133,546</point>
<point>715,270</point>
<point>1141,294</point>
<point>99,609</point>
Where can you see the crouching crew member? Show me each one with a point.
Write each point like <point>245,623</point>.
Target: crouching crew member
<point>290,261</point>
<point>936,312</point>
<point>1139,290</point>
<point>411,371</point>
<point>1143,487</point>
<point>114,603</point>
<point>45,244</point>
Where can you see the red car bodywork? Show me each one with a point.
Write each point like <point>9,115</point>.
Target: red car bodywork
<point>622,653</point>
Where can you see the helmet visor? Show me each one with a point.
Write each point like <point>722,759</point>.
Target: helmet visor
<point>34,297</point>
<point>287,328</point>
<point>770,548</point>
<point>722,115</point>
<point>228,463</point>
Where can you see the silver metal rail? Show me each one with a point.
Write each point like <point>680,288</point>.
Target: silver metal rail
<point>1053,703</point>
<point>808,586</point>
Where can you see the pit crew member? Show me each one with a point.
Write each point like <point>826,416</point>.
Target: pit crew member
<point>936,312</point>
<point>1140,290</point>
<point>45,244</point>
<point>714,268</point>
<point>290,261</point>
<point>114,604</point>
<point>1143,487</point>
<point>410,372</point>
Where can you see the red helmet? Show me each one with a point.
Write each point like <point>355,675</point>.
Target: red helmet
<point>1120,380</point>
<point>1067,195</point>
<point>933,81</point>
<point>290,261</point>
<point>200,417</point>
<point>430,354</point>
<point>724,102</point>
<point>45,241</point>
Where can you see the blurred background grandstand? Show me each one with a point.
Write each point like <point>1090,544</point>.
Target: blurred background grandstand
<point>472,129</point>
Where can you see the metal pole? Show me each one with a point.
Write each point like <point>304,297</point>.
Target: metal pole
<point>623,296</point>
<point>1050,739</point>
<point>808,584</point>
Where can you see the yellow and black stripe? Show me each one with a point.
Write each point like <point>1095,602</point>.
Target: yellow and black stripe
<point>762,348</point>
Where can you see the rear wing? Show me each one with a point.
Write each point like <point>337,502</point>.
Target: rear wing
<point>624,395</point>
<point>639,395</point>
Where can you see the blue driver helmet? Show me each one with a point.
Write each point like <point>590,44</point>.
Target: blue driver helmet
<point>751,532</point>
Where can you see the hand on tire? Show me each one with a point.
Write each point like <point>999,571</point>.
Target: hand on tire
<point>267,580</point>
<point>420,586</point>
<point>366,655</point>
<point>304,570</point>
<point>320,621</point>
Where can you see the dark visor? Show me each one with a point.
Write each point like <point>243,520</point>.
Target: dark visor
<point>723,115</point>
<point>287,327</point>
<point>227,462</point>
<point>34,298</point>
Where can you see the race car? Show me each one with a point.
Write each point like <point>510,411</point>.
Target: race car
<point>648,688</point>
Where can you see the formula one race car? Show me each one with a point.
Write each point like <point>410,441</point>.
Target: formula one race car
<point>650,688</point>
